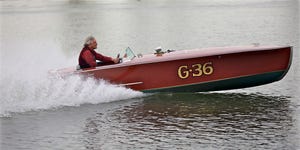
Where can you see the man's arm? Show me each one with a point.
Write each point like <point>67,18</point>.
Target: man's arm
<point>103,58</point>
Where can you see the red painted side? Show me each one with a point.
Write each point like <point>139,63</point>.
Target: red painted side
<point>165,74</point>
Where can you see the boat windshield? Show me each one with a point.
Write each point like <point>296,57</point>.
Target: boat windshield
<point>129,55</point>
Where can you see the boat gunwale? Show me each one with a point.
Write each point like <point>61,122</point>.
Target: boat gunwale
<point>153,61</point>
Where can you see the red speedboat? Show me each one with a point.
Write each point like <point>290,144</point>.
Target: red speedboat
<point>197,70</point>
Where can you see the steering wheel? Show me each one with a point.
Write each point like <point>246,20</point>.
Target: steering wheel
<point>120,59</point>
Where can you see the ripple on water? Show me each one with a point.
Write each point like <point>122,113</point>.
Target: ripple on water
<point>211,120</point>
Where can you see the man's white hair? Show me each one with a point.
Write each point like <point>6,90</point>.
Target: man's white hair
<point>89,40</point>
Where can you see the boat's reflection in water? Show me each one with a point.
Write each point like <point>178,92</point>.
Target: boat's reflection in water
<point>202,120</point>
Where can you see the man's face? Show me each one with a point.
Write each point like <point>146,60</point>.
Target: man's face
<point>93,45</point>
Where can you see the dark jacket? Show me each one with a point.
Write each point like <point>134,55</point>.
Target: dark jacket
<point>88,57</point>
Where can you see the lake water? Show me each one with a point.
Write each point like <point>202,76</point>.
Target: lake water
<point>42,112</point>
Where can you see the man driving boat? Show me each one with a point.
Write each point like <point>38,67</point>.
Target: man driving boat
<point>88,55</point>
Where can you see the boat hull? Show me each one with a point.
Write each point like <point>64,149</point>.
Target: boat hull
<point>199,70</point>
<point>225,84</point>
